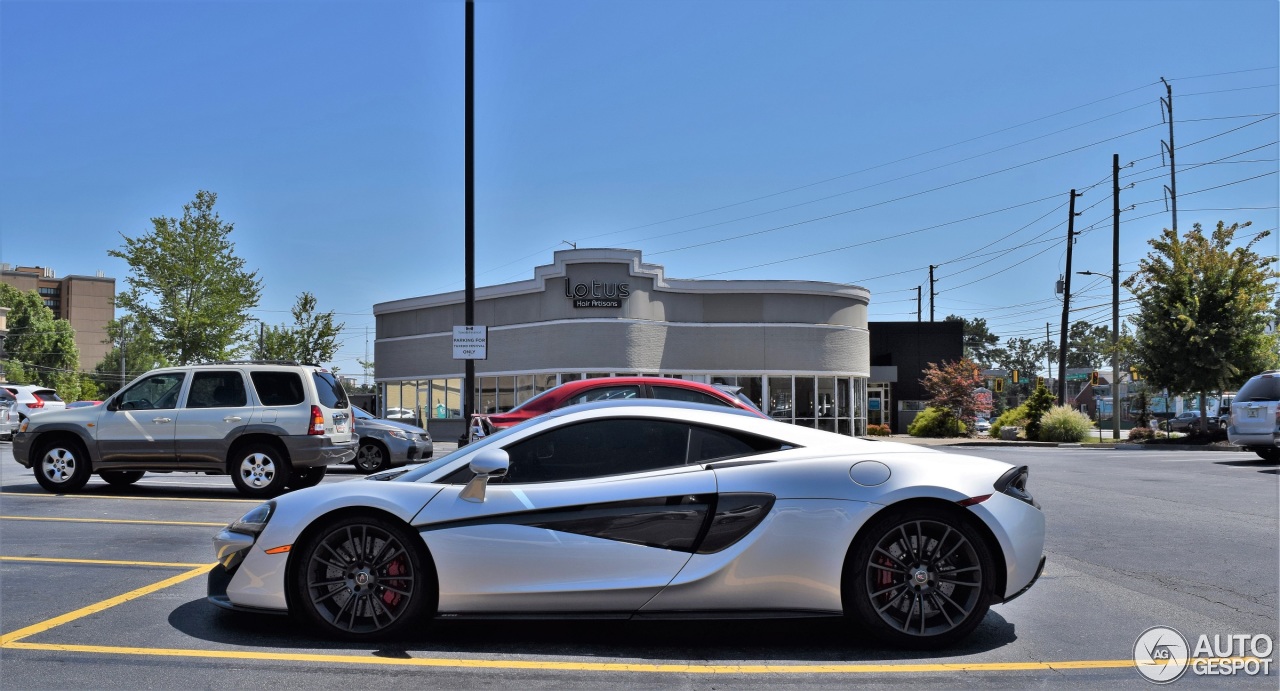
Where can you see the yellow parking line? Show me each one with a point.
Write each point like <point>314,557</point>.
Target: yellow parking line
<point>99,496</point>
<point>103,562</point>
<point>582,666</point>
<point>47,624</point>
<point>109,520</point>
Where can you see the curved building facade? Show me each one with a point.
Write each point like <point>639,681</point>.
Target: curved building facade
<point>799,349</point>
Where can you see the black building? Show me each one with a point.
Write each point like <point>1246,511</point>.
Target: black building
<point>900,352</point>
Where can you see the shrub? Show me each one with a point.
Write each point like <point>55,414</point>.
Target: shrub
<point>1039,404</point>
<point>1062,423</point>
<point>936,422</point>
<point>879,430</point>
<point>1013,417</point>
<point>1141,434</point>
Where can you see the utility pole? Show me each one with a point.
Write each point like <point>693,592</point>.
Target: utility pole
<point>918,303</point>
<point>123,380</point>
<point>1066,304</point>
<point>469,194</point>
<point>1048,346</point>
<point>261,341</point>
<point>1172,187</point>
<point>932,293</point>
<point>1115,296</point>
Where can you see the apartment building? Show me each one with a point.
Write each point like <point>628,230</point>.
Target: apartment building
<point>88,302</point>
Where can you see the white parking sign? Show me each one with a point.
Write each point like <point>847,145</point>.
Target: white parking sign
<point>470,342</point>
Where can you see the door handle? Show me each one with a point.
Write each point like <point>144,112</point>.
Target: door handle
<point>231,418</point>
<point>161,420</point>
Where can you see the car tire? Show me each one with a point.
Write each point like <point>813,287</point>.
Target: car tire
<point>62,465</point>
<point>371,457</point>
<point>362,577</point>
<point>307,477</point>
<point>919,577</point>
<point>1271,455</point>
<point>259,470</point>
<point>121,478</point>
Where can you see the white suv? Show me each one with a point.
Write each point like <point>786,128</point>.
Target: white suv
<point>30,400</point>
<point>270,425</point>
<point>1255,416</point>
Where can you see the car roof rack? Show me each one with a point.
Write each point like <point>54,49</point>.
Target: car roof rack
<point>263,362</point>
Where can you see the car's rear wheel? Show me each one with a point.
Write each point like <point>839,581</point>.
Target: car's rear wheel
<point>307,477</point>
<point>1269,454</point>
<point>121,478</point>
<point>62,465</point>
<point>921,577</point>
<point>362,577</point>
<point>259,470</point>
<point>371,457</point>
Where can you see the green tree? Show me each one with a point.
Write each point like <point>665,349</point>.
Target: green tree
<point>979,342</point>
<point>1204,305</point>
<point>1025,355</point>
<point>1041,402</point>
<point>188,285</point>
<point>39,348</point>
<point>313,338</point>
<point>141,354</point>
<point>953,387</point>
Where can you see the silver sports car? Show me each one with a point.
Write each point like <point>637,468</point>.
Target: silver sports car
<point>647,509</point>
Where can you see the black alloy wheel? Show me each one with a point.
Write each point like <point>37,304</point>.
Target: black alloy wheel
<point>371,457</point>
<point>922,578</point>
<point>363,577</point>
<point>121,478</point>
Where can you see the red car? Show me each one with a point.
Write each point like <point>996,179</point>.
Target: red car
<point>616,388</point>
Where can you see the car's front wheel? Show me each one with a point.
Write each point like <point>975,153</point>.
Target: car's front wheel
<point>362,577</point>
<point>260,471</point>
<point>920,577</point>
<point>371,457</point>
<point>62,465</point>
<point>121,478</point>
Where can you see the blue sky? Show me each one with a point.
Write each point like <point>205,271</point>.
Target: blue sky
<point>823,140</point>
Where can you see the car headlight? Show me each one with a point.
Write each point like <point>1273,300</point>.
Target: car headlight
<point>399,434</point>
<point>1014,484</point>
<point>254,522</point>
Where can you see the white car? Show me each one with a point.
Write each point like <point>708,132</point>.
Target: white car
<point>31,399</point>
<point>982,425</point>
<point>647,509</point>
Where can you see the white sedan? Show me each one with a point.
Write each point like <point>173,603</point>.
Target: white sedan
<point>647,509</point>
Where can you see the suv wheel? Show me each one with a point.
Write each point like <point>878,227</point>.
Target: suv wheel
<point>121,478</point>
<point>259,471</point>
<point>1272,454</point>
<point>62,465</point>
<point>307,477</point>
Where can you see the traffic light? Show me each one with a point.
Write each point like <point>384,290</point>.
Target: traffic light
<point>1039,382</point>
<point>1015,376</point>
<point>999,385</point>
<point>1093,378</point>
<point>1133,372</point>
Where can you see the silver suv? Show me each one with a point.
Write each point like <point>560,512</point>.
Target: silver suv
<point>1255,416</point>
<point>270,425</point>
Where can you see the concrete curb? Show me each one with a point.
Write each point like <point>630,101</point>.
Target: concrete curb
<point>1176,447</point>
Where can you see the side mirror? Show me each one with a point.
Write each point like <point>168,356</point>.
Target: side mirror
<point>486,464</point>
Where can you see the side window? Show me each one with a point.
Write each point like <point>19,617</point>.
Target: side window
<point>278,388</point>
<point>157,392</point>
<point>672,393</point>
<point>605,393</point>
<point>707,444</point>
<point>598,448</point>
<point>217,390</point>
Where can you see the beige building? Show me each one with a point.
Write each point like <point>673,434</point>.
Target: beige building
<point>798,349</point>
<point>88,302</point>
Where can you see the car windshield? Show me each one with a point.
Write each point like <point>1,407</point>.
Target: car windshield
<point>529,402</point>
<point>1260,389</point>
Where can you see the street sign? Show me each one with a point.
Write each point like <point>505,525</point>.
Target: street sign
<point>470,343</point>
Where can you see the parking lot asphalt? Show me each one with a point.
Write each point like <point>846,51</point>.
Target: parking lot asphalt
<point>105,589</point>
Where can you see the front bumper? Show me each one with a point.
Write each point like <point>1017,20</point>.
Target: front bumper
<point>404,451</point>
<point>1039,570</point>
<point>22,449</point>
<point>231,548</point>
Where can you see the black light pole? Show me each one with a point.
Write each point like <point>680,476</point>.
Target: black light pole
<point>469,224</point>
